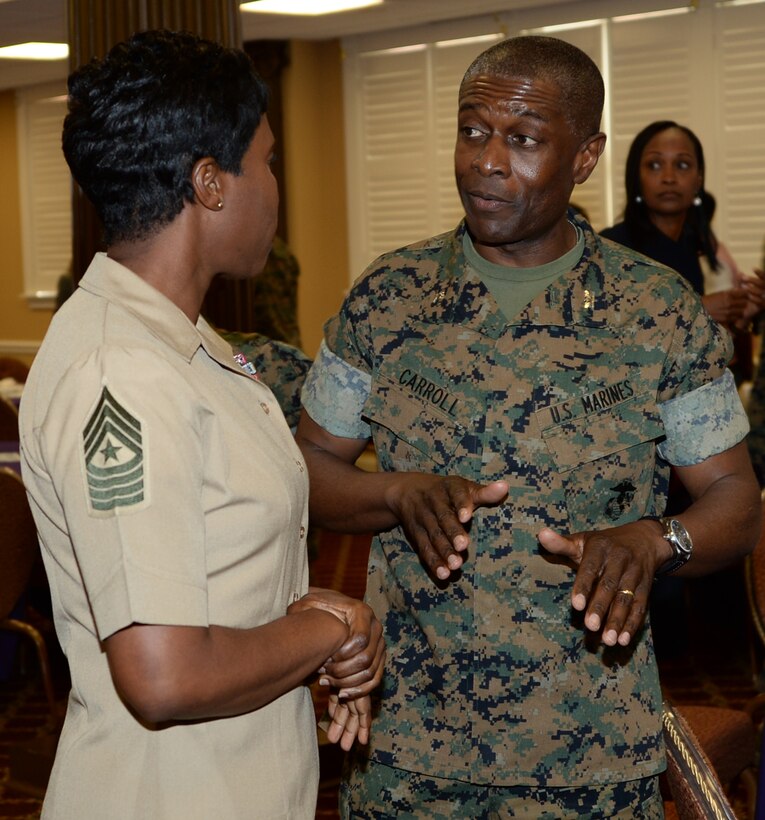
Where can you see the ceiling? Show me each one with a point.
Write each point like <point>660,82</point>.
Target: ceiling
<point>45,20</point>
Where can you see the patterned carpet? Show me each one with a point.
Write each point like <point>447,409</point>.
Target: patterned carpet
<point>706,657</point>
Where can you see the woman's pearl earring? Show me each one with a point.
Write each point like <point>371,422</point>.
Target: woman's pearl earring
<point>697,200</point>
<point>638,199</point>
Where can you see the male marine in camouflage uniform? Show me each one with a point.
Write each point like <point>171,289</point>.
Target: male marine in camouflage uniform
<point>526,384</point>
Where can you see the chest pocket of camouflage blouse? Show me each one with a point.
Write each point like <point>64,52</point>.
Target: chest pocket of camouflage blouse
<point>412,432</point>
<point>605,455</point>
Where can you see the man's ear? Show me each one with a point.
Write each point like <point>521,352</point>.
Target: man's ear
<point>207,182</point>
<point>587,157</point>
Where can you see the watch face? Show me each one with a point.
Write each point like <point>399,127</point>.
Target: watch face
<point>680,541</point>
<point>680,536</point>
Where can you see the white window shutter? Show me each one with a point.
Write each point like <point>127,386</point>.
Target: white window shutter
<point>740,124</point>
<point>45,191</point>
<point>401,108</point>
<point>395,131</point>
<point>651,79</point>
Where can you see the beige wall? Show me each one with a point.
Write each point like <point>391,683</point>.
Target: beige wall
<point>21,328</point>
<point>315,166</point>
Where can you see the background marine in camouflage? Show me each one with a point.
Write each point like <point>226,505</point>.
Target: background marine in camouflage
<point>281,366</point>
<point>274,295</point>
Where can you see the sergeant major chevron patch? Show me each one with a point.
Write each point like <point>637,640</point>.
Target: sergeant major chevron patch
<point>114,459</point>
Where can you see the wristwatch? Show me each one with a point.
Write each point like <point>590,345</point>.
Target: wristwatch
<point>681,543</point>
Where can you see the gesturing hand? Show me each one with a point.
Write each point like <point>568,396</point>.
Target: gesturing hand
<point>433,511</point>
<point>616,568</point>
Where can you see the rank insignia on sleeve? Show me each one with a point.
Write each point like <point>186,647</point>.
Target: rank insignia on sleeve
<point>114,459</point>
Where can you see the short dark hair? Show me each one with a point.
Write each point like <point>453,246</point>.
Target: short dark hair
<point>548,58</point>
<point>142,116</point>
<point>636,218</point>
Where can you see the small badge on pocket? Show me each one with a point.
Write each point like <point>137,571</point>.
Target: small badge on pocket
<point>616,506</point>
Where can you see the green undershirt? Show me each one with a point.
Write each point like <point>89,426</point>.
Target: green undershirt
<point>514,288</point>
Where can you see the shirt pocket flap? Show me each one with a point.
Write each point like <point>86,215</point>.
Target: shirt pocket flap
<point>591,436</point>
<point>423,425</point>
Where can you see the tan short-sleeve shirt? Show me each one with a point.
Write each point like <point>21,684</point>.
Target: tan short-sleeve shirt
<point>167,489</point>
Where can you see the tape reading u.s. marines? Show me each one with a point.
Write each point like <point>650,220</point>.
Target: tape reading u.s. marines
<point>598,399</point>
<point>607,396</point>
<point>428,390</point>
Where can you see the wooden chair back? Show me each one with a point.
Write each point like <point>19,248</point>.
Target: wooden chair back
<point>19,549</point>
<point>9,421</point>
<point>696,791</point>
<point>18,540</point>
<point>14,369</point>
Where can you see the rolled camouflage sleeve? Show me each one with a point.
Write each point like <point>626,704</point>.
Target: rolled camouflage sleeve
<point>703,422</point>
<point>700,348</point>
<point>335,393</point>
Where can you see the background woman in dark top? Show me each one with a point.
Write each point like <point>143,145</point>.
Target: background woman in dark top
<point>667,217</point>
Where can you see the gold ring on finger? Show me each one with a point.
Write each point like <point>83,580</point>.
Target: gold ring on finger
<point>627,592</point>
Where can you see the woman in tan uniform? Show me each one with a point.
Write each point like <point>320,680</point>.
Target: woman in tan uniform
<point>170,498</point>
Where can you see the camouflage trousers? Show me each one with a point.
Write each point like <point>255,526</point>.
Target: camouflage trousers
<point>382,792</point>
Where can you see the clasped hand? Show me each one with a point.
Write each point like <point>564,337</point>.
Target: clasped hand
<point>354,670</point>
<point>739,305</point>
<point>754,287</point>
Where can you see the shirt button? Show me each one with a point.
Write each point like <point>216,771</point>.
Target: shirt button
<point>266,408</point>
<point>300,466</point>
<point>302,532</point>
